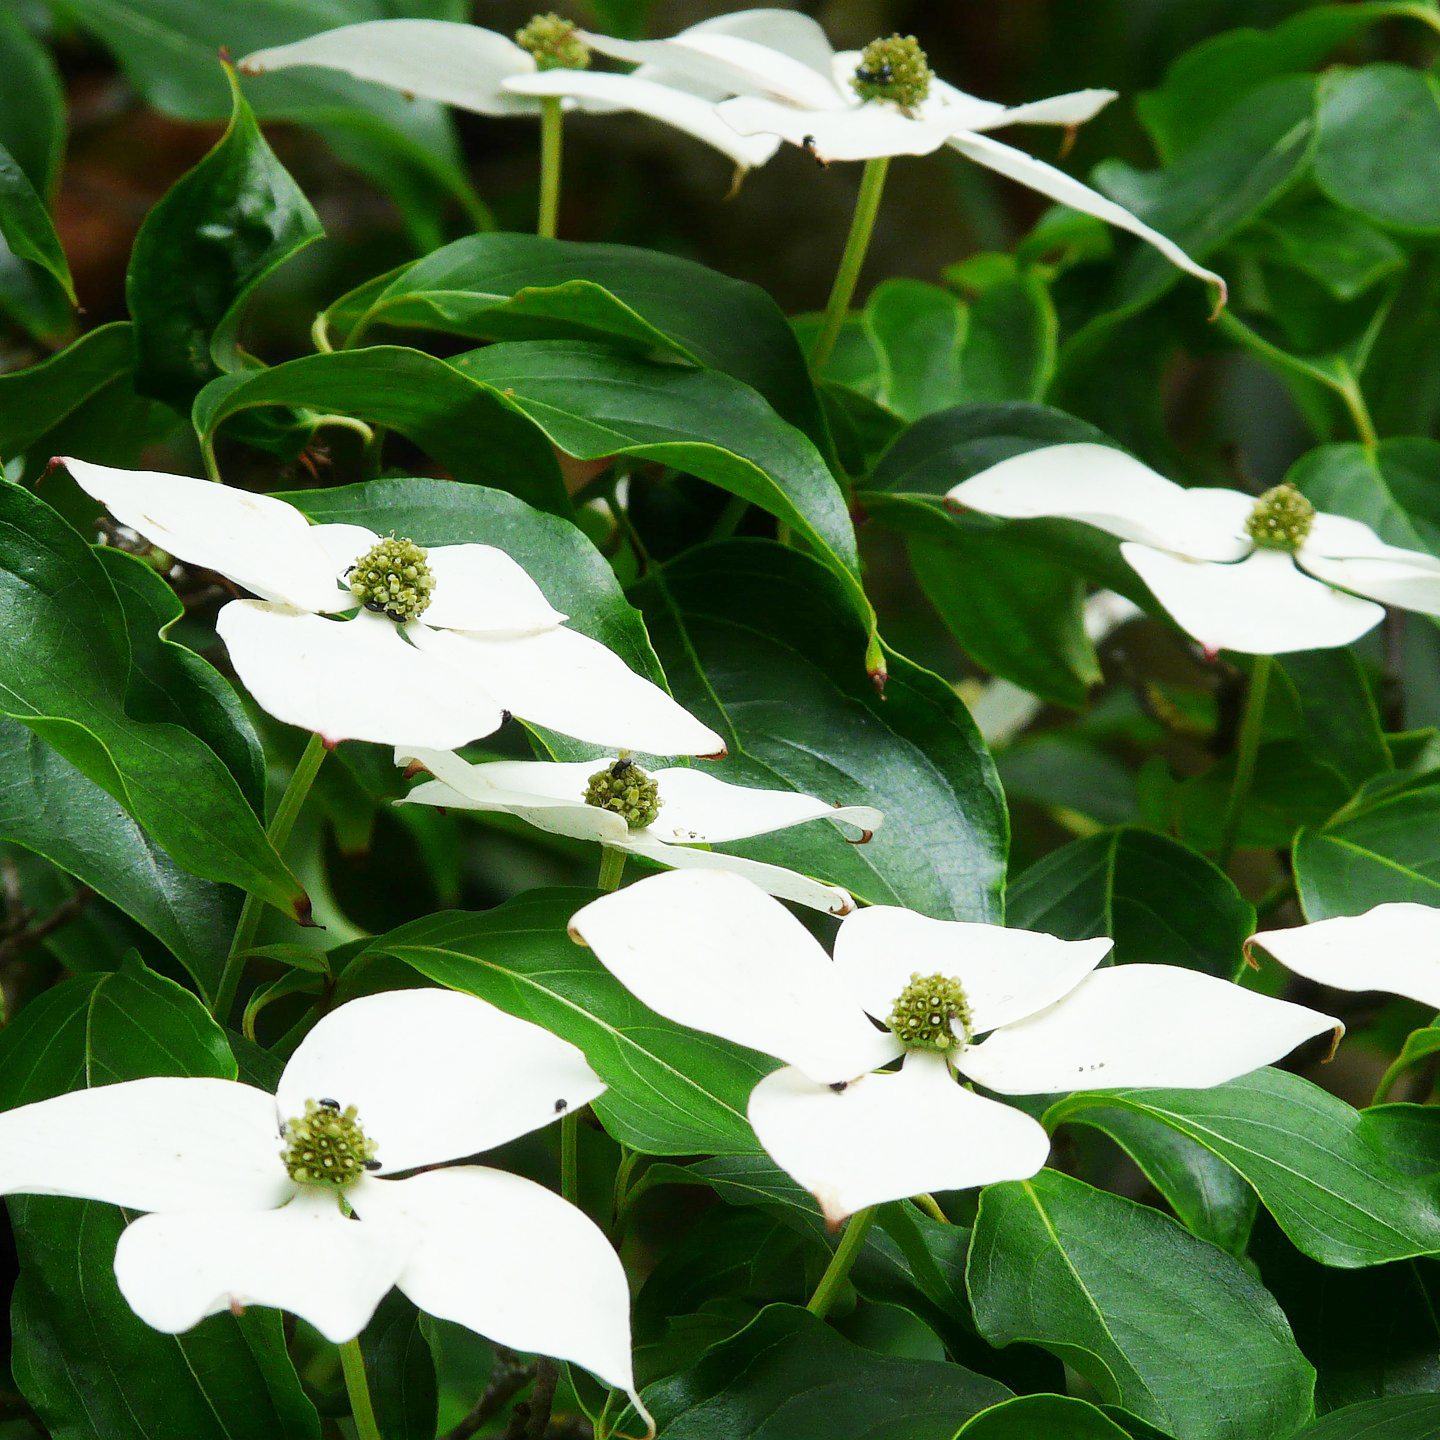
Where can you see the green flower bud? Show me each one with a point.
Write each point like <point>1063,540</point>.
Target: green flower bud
<point>554,42</point>
<point>893,69</point>
<point>628,791</point>
<point>922,1017</point>
<point>326,1146</point>
<point>1281,519</point>
<point>393,579</point>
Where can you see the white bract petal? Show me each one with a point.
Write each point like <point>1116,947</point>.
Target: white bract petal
<point>714,952</point>
<point>1134,1025</point>
<point>353,679</point>
<point>1337,537</point>
<point>460,65</point>
<point>694,115</point>
<point>263,545</point>
<point>305,1257</point>
<point>435,1075</point>
<point>773,879</point>
<point>1103,487</point>
<point>343,546</point>
<point>166,1143</point>
<point>1057,185</point>
<point>1074,108</point>
<point>889,1136</point>
<point>701,809</point>
<point>568,682</point>
<point>787,31</point>
<point>863,132</point>
<point>1395,948</point>
<point>478,587</point>
<point>1006,974</point>
<point>510,1260</point>
<point>1262,605</point>
<point>1410,585</point>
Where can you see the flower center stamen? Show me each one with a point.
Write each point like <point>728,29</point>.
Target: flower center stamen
<point>326,1146</point>
<point>393,579</point>
<point>923,1015</point>
<point>628,791</point>
<point>895,68</point>
<point>554,42</point>
<point>1281,519</point>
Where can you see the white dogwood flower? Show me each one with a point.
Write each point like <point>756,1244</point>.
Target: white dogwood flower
<point>287,1200</point>
<point>712,951</point>
<point>489,643</point>
<point>659,815</point>
<point>1259,576</point>
<point>1393,947</point>
<point>785,80</point>
<point>479,70</point>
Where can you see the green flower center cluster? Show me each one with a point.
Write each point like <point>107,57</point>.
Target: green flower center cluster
<point>394,579</point>
<point>1281,519</point>
<point>921,1018</point>
<point>326,1146</point>
<point>628,791</point>
<point>895,69</point>
<point>554,42</point>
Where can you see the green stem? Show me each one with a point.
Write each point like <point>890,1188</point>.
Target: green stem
<point>736,508</point>
<point>1245,758</point>
<point>867,206</point>
<point>277,832</point>
<point>320,335</point>
<point>552,134</point>
<point>352,1362</point>
<point>1350,392</point>
<point>841,1261</point>
<point>931,1207</point>
<point>612,867</point>
<point>1396,1069</point>
<point>570,1157</point>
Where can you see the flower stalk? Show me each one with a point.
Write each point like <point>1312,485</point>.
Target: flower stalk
<point>552,144</point>
<point>857,246</point>
<point>1249,747</point>
<point>362,1411</point>
<point>841,1262</point>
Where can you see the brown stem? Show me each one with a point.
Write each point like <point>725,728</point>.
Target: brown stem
<point>509,1377</point>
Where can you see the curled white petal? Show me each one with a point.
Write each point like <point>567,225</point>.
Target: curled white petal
<point>568,682</point>
<point>1074,108</point>
<point>262,544</point>
<point>1262,605</point>
<point>1393,947</point>
<point>512,1261</point>
<point>1135,1025</point>
<point>166,1143</point>
<point>713,951</point>
<point>862,132</point>
<point>460,65</point>
<point>700,808</point>
<point>1338,537</point>
<point>305,1257</point>
<point>1006,974</point>
<point>888,1136</point>
<point>436,1075</point>
<point>353,679</point>
<point>1408,585</point>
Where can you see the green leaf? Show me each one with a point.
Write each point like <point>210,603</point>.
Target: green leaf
<point>1010,345</point>
<point>917,331</point>
<point>1338,721</point>
<point>757,640</point>
<point>672,1091</point>
<point>789,1374</point>
<point>400,1369</point>
<point>66,671</point>
<point>1340,251</point>
<point>1396,1417</point>
<point>26,225</point>
<point>1056,1417</point>
<point>90,1367</point>
<point>224,226</point>
<point>1167,1326</point>
<point>592,403</point>
<point>1383,846</point>
<point>32,105</point>
<point>1162,903</point>
<point>1319,1166</point>
<point>504,286</point>
<point>476,433</point>
<point>1394,488</point>
<point>1378,147</point>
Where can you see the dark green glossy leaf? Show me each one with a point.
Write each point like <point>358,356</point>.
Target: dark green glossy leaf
<point>32,105</point>
<point>504,286</point>
<point>89,1366</point>
<point>224,226</point>
<point>1167,1326</point>
<point>1338,721</point>
<point>1378,147</point>
<point>401,1370</point>
<point>917,333</point>
<point>757,640</point>
<point>592,403</point>
<point>1396,1417</point>
<point>1340,251</point>
<point>788,1374</point>
<point>1056,1417</point>
<point>672,1091</point>
<point>66,671</point>
<point>1394,488</point>
<point>26,225</point>
<point>1162,903</point>
<point>476,433</point>
<point>1009,349</point>
<point>1320,1167</point>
